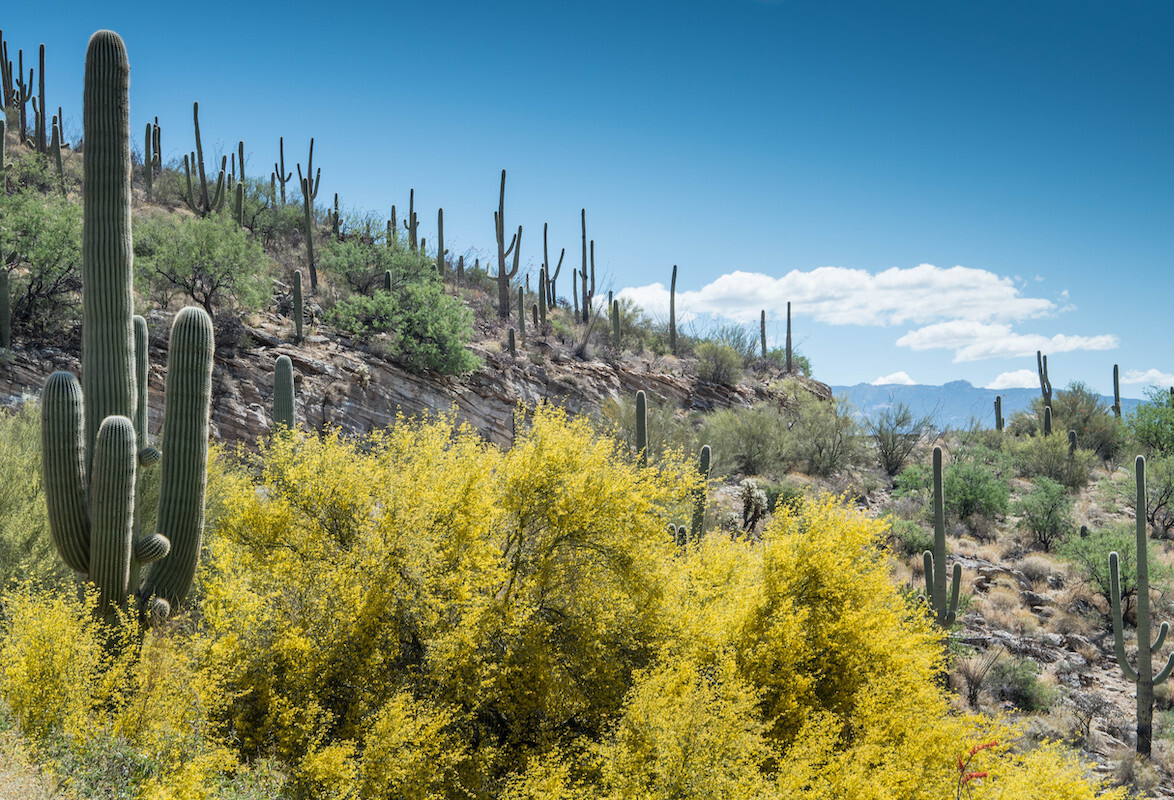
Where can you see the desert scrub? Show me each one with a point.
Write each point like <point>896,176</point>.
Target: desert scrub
<point>40,245</point>
<point>108,705</point>
<point>718,363</point>
<point>505,598</point>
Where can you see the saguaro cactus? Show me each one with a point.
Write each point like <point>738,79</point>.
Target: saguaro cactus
<point>297,304</point>
<point>615,323</point>
<point>641,428</point>
<point>762,331</point>
<point>504,277</point>
<point>5,309</point>
<point>89,449</point>
<point>1143,676</point>
<point>1116,393</point>
<point>1045,384</point>
<point>699,494</point>
<point>1047,420</point>
<point>673,312</point>
<point>789,365</point>
<point>283,393</point>
<point>205,204</point>
<point>551,293</point>
<point>944,611</point>
<point>999,413</point>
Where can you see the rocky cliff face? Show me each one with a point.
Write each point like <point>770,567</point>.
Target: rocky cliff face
<point>356,390</point>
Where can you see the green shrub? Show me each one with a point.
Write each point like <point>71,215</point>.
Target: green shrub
<point>1152,423</point>
<point>908,538</point>
<point>1017,681</point>
<point>1046,512</point>
<point>1159,495</point>
<point>1090,555</point>
<point>971,488</point>
<point>27,553</point>
<point>432,330</point>
<point>896,433</point>
<point>208,260</point>
<point>747,441</point>
<point>40,245</point>
<point>799,362</point>
<point>1078,408</point>
<point>825,437</point>
<point>1047,456</point>
<point>718,363</point>
<point>362,316</point>
<point>617,418</point>
<point>361,265</point>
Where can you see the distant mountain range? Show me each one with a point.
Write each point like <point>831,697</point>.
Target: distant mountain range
<point>952,405</point>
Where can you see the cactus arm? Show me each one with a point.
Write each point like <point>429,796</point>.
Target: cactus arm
<point>927,562</point>
<point>63,469</point>
<point>218,197</point>
<point>188,197</point>
<point>1118,623</point>
<point>185,445</point>
<point>112,499</point>
<point>1162,631</point>
<point>1166,670</point>
<point>955,590</point>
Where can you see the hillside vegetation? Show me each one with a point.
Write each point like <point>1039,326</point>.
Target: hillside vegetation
<point>595,611</point>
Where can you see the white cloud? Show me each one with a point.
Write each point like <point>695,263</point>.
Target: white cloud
<point>1019,379</point>
<point>972,341</point>
<point>1151,377</point>
<point>842,296</point>
<point>970,311</point>
<point>897,377</point>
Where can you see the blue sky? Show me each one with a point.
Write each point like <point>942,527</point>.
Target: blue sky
<point>940,187</point>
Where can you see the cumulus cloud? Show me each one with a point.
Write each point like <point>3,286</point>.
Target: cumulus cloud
<point>972,341</point>
<point>1151,377</point>
<point>1019,379</point>
<point>842,296</point>
<point>896,378</point>
<point>970,311</point>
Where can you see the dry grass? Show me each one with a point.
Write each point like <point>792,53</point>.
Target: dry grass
<point>20,779</point>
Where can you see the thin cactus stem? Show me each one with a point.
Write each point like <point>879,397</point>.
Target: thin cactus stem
<point>551,295</point>
<point>542,297</point>
<point>521,315</point>
<point>673,312</point>
<point>789,362</point>
<point>148,162</point>
<point>762,331</point>
<point>615,322</point>
<point>1047,420</point>
<point>503,276</point>
<point>999,413</point>
<point>440,251</point>
<point>1045,384</point>
<point>586,304</point>
<point>1116,393</point>
<point>279,172</point>
<point>297,304</point>
<point>513,345</point>
<point>240,160</point>
<point>641,429</point>
<point>42,145</point>
<point>308,214</point>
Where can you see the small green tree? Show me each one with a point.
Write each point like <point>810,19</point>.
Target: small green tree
<point>896,433</point>
<point>1152,423</point>
<point>1089,552</point>
<point>209,260</point>
<point>1159,507</point>
<point>1046,512</point>
<point>718,363</point>
<point>40,244</point>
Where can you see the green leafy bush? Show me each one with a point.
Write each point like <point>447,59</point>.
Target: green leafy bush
<point>970,487</point>
<point>748,441</point>
<point>1159,493</point>
<point>1047,456</point>
<point>908,538</point>
<point>617,418</point>
<point>362,316</point>
<point>1046,512</point>
<point>896,433</point>
<point>718,363</point>
<point>1017,681</point>
<point>1152,423</point>
<point>361,265</point>
<point>1078,408</point>
<point>209,260</point>
<point>825,437</point>
<point>40,246</point>
<point>1090,555</point>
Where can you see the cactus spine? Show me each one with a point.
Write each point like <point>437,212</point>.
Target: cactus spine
<point>1143,676</point>
<point>283,393</point>
<point>944,612</point>
<point>673,312</point>
<point>89,448</point>
<point>641,428</point>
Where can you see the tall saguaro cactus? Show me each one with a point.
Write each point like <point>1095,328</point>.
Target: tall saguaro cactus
<point>503,276</point>
<point>1116,393</point>
<point>90,448</point>
<point>1143,676</point>
<point>999,413</point>
<point>642,428</point>
<point>698,522</point>
<point>283,393</point>
<point>205,204</point>
<point>1045,383</point>
<point>673,312</point>
<point>944,611</point>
